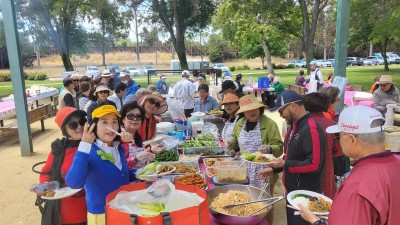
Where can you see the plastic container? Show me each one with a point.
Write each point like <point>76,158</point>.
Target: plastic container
<point>181,125</point>
<point>165,127</point>
<point>230,172</point>
<point>45,187</point>
<point>263,82</point>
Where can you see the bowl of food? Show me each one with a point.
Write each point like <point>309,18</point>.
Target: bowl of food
<point>220,197</point>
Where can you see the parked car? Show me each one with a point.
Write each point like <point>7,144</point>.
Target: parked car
<point>373,59</point>
<point>353,61</point>
<point>394,58</point>
<point>221,66</point>
<point>114,67</point>
<point>332,62</point>
<point>144,70</point>
<point>91,71</point>
<point>297,63</point>
<point>380,60</point>
<point>133,71</point>
<point>323,63</point>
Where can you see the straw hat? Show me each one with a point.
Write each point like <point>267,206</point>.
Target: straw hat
<point>230,98</point>
<point>106,73</point>
<point>103,88</point>
<point>156,96</point>
<point>248,103</point>
<point>386,79</point>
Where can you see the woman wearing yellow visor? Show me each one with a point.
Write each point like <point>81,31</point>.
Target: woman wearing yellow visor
<point>100,164</point>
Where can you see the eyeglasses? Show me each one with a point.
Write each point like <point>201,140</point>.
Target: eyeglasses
<point>155,103</point>
<point>74,125</point>
<point>102,92</point>
<point>132,116</point>
<point>76,80</point>
<point>283,108</point>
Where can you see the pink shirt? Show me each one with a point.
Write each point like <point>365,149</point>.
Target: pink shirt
<point>370,194</point>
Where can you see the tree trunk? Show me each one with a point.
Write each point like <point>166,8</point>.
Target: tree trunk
<point>66,61</point>
<point>179,40</point>
<point>103,42</point>
<point>384,55</point>
<point>371,49</point>
<point>268,58</point>
<point>137,35</point>
<point>262,62</point>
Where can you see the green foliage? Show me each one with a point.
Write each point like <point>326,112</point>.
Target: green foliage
<point>244,67</point>
<point>279,66</point>
<point>6,76</point>
<point>218,49</point>
<point>291,66</point>
<point>232,68</point>
<point>214,56</point>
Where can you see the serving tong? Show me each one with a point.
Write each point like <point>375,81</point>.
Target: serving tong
<point>261,200</point>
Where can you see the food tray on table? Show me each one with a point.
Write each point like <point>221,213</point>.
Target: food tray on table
<point>199,144</point>
<point>211,171</point>
<point>215,182</point>
<point>208,152</point>
<point>203,185</point>
<point>210,162</point>
<point>178,169</point>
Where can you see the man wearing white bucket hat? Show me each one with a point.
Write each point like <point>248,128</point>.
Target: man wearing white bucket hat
<point>369,195</point>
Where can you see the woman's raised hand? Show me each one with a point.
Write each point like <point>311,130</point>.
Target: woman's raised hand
<point>88,135</point>
<point>126,136</point>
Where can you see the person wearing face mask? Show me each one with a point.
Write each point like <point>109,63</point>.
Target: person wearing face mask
<point>132,116</point>
<point>100,165</point>
<point>70,210</point>
<point>119,92</point>
<point>153,104</point>
<point>132,85</point>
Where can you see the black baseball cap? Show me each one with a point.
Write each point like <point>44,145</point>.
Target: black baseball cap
<point>227,84</point>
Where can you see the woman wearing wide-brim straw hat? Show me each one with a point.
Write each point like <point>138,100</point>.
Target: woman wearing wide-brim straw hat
<point>256,132</point>
<point>153,104</point>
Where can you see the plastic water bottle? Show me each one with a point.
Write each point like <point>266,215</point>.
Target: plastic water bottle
<point>45,187</point>
<point>250,83</point>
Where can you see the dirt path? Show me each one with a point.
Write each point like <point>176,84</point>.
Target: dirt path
<point>17,203</point>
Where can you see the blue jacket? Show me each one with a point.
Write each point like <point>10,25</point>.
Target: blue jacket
<point>210,104</point>
<point>132,89</point>
<point>162,87</point>
<point>99,177</point>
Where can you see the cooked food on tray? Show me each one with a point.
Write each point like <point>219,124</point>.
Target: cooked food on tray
<point>208,152</point>
<point>189,158</point>
<point>196,143</point>
<point>234,197</point>
<point>211,161</point>
<point>211,171</point>
<point>315,204</point>
<point>262,158</point>
<point>183,168</point>
<point>192,179</point>
<point>165,168</point>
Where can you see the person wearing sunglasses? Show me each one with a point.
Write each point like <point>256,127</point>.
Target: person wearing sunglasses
<point>67,94</point>
<point>387,99</point>
<point>153,104</point>
<point>70,210</point>
<point>100,165</point>
<point>132,116</point>
<point>102,92</point>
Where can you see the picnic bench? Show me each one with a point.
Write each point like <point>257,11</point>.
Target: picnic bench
<point>300,90</point>
<point>40,113</point>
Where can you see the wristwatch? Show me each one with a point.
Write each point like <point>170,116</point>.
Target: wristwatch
<point>321,221</point>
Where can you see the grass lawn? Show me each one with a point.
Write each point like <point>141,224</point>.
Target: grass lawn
<point>360,75</point>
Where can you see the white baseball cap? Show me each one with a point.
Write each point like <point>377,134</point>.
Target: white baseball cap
<point>123,74</point>
<point>185,73</point>
<point>357,120</point>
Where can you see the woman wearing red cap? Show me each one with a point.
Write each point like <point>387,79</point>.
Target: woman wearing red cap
<point>70,210</point>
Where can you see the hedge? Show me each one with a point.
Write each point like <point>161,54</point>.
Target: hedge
<point>28,76</point>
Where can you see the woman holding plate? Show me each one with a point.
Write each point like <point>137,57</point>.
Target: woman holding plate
<point>132,116</point>
<point>255,132</point>
<point>100,164</point>
<point>70,210</point>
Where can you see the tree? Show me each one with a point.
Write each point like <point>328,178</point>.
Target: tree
<point>177,16</point>
<point>112,22</point>
<point>134,5</point>
<point>247,29</point>
<point>219,49</point>
<point>56,18</point>
<point>379,20</point>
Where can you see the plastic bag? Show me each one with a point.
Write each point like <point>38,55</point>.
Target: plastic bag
<point>176,110</point>
<point>210,128</point>
<point>171,142</point>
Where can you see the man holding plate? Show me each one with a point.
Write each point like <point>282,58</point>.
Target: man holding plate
<point>370,194</point>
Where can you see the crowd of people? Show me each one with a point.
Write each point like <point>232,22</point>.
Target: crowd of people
<point>104,125</point>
